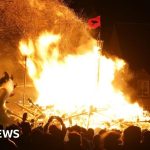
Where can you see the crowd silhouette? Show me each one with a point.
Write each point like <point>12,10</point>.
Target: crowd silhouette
<point>56,136</point>
<point>52,137</point>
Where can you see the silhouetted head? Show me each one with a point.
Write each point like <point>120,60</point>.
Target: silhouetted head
<point>132,135</point>
<point>74,139</point>
<point>97,142</point>
<point>26,128</point>
<point>90,134</point>
<point>24,117</point>
<point>146,137</point>
<point>102,131</point>
<point>111,140</point>
<point>75,128</point>
<point>54,130</point>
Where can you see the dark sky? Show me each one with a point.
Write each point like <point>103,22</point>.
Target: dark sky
<point>133,32</point>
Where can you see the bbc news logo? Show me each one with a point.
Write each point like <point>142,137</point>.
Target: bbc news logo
<point>9,134</point>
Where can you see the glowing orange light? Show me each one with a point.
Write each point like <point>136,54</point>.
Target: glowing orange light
<point>70,85</point>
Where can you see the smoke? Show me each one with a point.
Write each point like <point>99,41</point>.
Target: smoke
<point>22,19</point>
<point>123,82</point>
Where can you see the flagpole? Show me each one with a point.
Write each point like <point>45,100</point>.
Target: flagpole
<point>98,69</point>
<point>100,45</point>
<point>93,24</point>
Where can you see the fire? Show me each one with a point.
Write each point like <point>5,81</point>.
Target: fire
<point>71,86</point>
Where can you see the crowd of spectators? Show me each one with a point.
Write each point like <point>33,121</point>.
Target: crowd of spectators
<point>51,137</point>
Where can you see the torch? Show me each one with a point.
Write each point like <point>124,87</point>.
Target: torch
<point>25,51</point>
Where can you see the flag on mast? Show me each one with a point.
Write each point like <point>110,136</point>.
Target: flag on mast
<point>94,23</point>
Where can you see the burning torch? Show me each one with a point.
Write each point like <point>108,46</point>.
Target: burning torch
<point>25,51</point>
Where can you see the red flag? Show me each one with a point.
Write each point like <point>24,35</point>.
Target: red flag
<point>94,22</point>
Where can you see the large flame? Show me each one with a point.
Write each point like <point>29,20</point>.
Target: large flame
<point>80,85</point>
<point>73,79</point>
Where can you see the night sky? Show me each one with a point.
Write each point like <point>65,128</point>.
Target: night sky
<point>132,22</point>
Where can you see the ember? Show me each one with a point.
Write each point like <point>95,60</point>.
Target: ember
<point>72,86</point>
